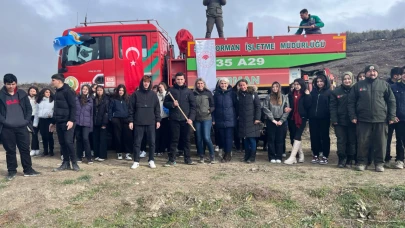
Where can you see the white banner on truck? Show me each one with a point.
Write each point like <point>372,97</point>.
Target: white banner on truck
<point>206,62</point>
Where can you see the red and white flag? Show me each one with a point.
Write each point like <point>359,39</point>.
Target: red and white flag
<point>133,65</point>
<point>206,62</point>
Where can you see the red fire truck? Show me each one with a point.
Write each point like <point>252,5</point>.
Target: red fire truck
<point>259,59</point>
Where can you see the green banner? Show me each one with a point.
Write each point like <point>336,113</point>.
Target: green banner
<point>268,61</point>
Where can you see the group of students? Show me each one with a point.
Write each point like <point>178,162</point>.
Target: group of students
<point>163,117</point>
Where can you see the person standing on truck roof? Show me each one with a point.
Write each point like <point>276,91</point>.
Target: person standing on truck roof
<point>345,130</point>
<point>371,106</point>
<point>179,125</point>
<point>144,118</point>
<point>395,75</point>
<point>310,20</point>
<point>64,119</point>
<point>399,92</point>
<point>214,16</point>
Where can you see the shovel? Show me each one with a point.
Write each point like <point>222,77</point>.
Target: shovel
<point>298,27</point>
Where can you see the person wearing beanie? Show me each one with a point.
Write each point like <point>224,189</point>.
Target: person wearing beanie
<point>64,118</point>
<point>371,106</point>
<point>319,119</point>
<point>345,130</point>
<point>399,92</point>
<point>15,125</point>
<point>395,75</point>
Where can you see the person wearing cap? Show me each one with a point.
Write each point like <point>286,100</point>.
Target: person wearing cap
<point>345,130</point>
<point>64,118</point>
<point>399,92</point>
<point>371,106</point>
<point>395,75</point>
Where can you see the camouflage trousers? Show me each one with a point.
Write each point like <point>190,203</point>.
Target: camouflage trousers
<point>219,23</point>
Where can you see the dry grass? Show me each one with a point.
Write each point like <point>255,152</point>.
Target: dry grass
<point>220,195</point>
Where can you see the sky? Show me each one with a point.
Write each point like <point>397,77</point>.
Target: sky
<point>29,26</point>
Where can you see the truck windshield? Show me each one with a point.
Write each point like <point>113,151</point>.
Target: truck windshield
<point>94,49</point>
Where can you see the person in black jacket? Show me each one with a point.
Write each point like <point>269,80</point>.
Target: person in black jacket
<point>15,124</point>
<point>64,117</point>
<point>144,118</point>
<point>396,74</point>
<point>179,125</point>
<point>249,115</point>
<point>118,114</point>
<point>319,119</point>
<point>100,119</point>
<point>300,102</point>
<point>399,92</point>
<point>345,130</point>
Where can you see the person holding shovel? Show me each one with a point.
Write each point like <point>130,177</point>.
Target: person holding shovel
<point>182,110</point>
<point>312,23</point>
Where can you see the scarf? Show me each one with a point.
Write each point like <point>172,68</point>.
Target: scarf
<point>296,115</point>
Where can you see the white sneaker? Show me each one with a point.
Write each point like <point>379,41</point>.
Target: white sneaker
<point>61,157</point>
<point>101,160</point>
<point>152,165</point>
<point>96,159</point>
<point>273,161</point>
<point>128,157</point>
<point>278,161</point>
<point>143,154</point>
<point>135,165</point>
<point>216,148</point>
<point>119,156</point>
<point>32,153</point>
<point>37,152</point>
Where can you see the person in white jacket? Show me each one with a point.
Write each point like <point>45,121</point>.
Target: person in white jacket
<point>43,118</point>
<point>32,96</point>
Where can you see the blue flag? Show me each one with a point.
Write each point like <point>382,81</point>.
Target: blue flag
<point>72,38</point>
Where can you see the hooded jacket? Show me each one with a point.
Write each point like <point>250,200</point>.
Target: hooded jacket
<point>372,101</point>
<point>84,113</point>
<point>64,105</point>
<point>320,99</point>
<point>100,111</point>
<point>118,108</point>
<point>399,92</point>
<point>338,104</point>
<point>249,110</point>
<point>24,102</point>
<point>186,100</point>
<point>204,104</point>
<point>144,107</point>
<point>225,102</point>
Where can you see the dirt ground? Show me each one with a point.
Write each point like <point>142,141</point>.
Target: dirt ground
<point>110,194</point>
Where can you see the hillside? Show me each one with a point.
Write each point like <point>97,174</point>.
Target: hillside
<point>383,47</point>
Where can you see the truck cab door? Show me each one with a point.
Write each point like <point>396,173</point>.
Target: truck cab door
<point>119,60</point>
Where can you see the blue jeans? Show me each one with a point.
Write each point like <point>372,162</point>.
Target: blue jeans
<point>203,135</point>
<point>250,148</point>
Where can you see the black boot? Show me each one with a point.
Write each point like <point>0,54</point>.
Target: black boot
<point>75,166</point>
<point>45,153</point>
<point>253,156</point>
<point>51,153</point>
<point>65,166</point>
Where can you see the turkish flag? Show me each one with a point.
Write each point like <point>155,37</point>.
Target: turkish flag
<point>133,65</point>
